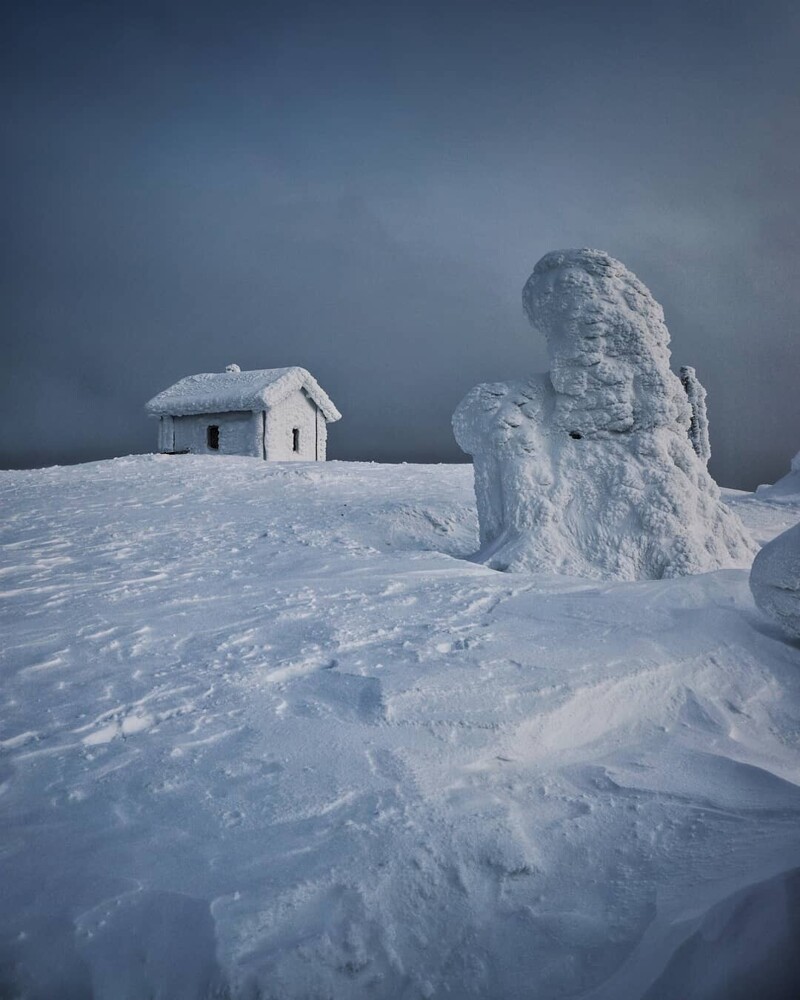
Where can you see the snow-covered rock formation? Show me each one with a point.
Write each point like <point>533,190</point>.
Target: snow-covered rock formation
<point>775,580</point>
<point>698,427</point>
<point>588,469</point>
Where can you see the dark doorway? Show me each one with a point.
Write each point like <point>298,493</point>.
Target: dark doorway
<point>212,437</point>
<point>295,439</point>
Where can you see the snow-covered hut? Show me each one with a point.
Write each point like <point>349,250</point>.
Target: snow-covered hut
<point>276,414</point>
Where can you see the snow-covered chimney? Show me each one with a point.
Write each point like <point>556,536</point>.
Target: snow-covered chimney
<point>232,368</point>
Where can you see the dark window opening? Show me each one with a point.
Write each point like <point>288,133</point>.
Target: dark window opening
<point>576,435</point>
<point>212,437</point>
<point>295,439</point>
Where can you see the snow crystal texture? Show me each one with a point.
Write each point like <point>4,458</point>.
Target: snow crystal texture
<point>589,469</point>
<point>775,580</point>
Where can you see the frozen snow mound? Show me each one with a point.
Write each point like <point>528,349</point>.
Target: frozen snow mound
<point>775,580</point>
<point>786,489</point>
<point>589,469</point>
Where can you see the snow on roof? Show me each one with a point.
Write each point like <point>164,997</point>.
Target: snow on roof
<point>223,392</point>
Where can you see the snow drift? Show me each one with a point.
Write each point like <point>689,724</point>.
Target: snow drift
<point>589,469</point>
<point>775,580</point>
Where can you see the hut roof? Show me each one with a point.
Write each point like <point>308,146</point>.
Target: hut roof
<point>223,392</point>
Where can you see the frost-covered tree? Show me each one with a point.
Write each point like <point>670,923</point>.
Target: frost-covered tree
<point>588,469</point>
<point>698,428</point>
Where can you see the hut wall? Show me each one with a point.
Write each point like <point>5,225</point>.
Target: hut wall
<point>294,413</point>
<point>239,433</point>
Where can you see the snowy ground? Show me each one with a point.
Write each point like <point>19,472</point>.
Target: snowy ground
<point>266,734</point>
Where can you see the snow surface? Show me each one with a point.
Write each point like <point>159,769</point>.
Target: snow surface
<point>266,733</point>
<point>588,469</point>
<point>235,390</point>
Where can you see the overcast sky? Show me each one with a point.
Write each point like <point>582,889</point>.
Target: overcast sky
<point>363,188</point>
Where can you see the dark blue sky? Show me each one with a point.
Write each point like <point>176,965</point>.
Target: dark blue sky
<point>362,189</point>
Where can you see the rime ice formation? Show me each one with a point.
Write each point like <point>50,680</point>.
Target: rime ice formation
<point>588,469</point>
<point>698,428</point>
<point>775,580</point>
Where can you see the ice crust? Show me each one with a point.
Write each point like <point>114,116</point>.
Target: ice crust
<point>588,469</point>
<point>775,580</point>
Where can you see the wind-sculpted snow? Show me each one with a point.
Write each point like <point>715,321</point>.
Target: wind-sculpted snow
<point>265,732</point>
<point>775,580</point>
<point>588,469</point>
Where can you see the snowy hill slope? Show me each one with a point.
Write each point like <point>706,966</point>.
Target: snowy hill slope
<point>265,733</point>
